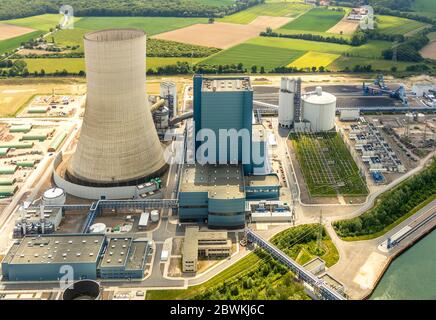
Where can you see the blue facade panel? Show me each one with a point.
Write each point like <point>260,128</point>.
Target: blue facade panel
<point>227,221</point>
<point>226,205</point>
<point>49,271</point>
<point>193,198</point>
<point>193,213</point>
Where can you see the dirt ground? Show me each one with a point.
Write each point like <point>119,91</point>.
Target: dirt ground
<point>223,35</point>
<point>8,31</point>
<point>15,94</point>
<point>429,51</point>
<point>346,26</point>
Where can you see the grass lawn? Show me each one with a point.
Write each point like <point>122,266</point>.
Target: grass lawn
<point>300,45</point>
<point>75,65</point>
<point>13,43</point>
<point>432,36</point>
<point>327,165</point>
<point>377,64</point>
<point>318,19</point>
<point>314,59</point>
<point>300,243</point>
<point>151,25</point>
<point>397,25</point>
<point>42,22</point>
<point>255,55</point>
<point>277,9</point>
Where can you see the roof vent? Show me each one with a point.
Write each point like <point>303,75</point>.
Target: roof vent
<point>318,91</point>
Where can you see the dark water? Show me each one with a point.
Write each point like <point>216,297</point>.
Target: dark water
<point>412,275</point>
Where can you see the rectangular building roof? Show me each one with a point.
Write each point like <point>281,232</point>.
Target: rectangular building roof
<point>270,180</point>
<point>226,84</point>
<point>220,181</point>
<point>65,249</point>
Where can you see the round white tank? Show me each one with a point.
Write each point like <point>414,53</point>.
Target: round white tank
<point>155,216</point>
<point>98,228</point>
<point>319,108</point>
<point>286,102</point>
<point>54,197</point>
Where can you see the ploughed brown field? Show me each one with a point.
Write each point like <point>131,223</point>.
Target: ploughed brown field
<point>429,51</point>
<point>345,26</point>
<point>8,31</point>
<point>223,35</point>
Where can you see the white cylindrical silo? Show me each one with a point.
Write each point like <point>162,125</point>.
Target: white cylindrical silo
<point>118,142</point>
<point>286,102</point>
<point>54,197</point>
<point>319,108</point>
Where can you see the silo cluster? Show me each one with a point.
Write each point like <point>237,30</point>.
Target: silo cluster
<point>287,102</point>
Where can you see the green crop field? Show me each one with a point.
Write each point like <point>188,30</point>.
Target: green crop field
<point>255,55</point>
<point>327,165</point>
<point>300,45</point>
<point>432,36</point>
<point>151,25</point>
<point>277,9</point>
<point>425,7</point>
<point>317,33</point>
<point>75,65</point>
<point>377,64</point>
<point>318,19</point>
<point>13,43</point>
<point>42,22</point>
<point>373,49</point>
<point>397,25</point>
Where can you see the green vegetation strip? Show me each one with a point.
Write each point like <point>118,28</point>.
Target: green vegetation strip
<point>11,44</point>
<point>391,208</point>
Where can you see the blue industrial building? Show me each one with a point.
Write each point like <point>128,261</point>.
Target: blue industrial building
<point>217,191</point>
<point>79,256</point>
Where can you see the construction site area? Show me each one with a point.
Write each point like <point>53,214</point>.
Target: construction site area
<point>52,106</point>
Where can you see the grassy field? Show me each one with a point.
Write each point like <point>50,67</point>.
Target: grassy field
<point>11,44</point>
<point>42,22</point>
<point>425,7</point>
<point>300,243</point>
<point>276,9</point>
<point>318,19</point>
<point>432,36</point>
<point>318,33</point>
<point>255,55</point>
<point>377,64</point>
<point>75,65</point>
<point>300,45</point>
<point>151,25</point>
<point>373,49</point>
<point>397,25</point>
<point>327,165</point>
<point>314,59</point>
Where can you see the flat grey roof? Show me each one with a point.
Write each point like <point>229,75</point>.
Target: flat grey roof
<point>116,252</point>
<point>226,84</point>
<point>220,181</point>
<point>57,249</point>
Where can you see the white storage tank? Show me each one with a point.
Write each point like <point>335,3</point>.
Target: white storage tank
<point>54,197</point>
<point>286,102</point>
<point>98,228</point>
<point>155,216</point>
<point>319,108</point>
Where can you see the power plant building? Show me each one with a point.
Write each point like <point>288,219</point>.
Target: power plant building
<point>118,144</point>
<point>86,256</point>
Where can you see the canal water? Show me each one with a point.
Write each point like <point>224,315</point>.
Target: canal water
<point>412,275</point>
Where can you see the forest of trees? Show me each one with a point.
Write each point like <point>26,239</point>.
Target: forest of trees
<point>11,9</point>
<point>392,205</point>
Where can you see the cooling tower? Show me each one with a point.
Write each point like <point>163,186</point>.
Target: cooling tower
<point>118,143</point>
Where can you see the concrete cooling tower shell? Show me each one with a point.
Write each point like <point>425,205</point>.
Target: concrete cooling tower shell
<point>118,143</point>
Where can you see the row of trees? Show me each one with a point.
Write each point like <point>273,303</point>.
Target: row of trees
<point>11,9</point>
<point>165,48</point>
<point>392,205</point>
